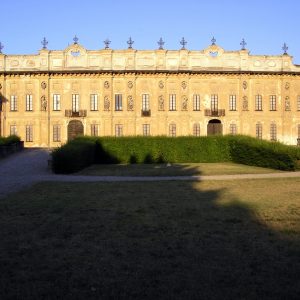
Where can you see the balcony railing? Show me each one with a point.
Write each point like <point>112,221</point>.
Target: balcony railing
<point>146,113</point>
<point>214,112</point>
<point>73,114</point>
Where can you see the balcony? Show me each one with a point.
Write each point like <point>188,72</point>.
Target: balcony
<point>214,113</point>
<point>73,114</point>
<point>146,113</point>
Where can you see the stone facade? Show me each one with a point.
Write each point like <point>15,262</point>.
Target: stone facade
<point>54,95</point>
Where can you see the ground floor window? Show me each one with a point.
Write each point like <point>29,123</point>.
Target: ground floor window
<point>233,129</point>
<point>273,132</point>
<point>29,133</point>
<point>94,130</point>
<point>119,130</point>
<point>172,130</point>
<point>146,129</point>
<point>13,129</point>
<point>56,133</point>
<point>196,129</point>
<point>259,130</point>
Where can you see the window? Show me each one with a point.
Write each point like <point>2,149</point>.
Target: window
<point>13,103</point>
<point>56,102</point>
<point>196,129</point>
<point>119,130</point>
<point>272,102</point>
<point>196,102</point>
<point>146,129</point>
<point>13,129</point>
<point>29,106</point>
<point>94,102</point>
<point>214,102</point>
<point>56,133</point>
<point>259,130</point>
<point>172,102</point>
<point>172,130</point>
<point>75,103</point>
<point>232,102</point>
<point>94,130</point>
<point>29,133</point>
<point>233,129</point>
<point>273,132</point>
<point>298,103</point>
<point>258,102</point>
<point>118,102</point>
<point>145,102</point>
<point>299,131</point>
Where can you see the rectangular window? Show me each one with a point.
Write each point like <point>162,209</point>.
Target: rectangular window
<point>13,129</point>
<point>118,102</point>
<point>273,132</point>
<point>196,129</point>
<point>258,102</point>
<point>232,102</point>
<point>214,102</point>
<point>146,129</point>
<point>94,130</point>
<point>298,131</point>
<point>145,102</point>
<point>172,130</point>
<point>75,103</point>
<point>196,102</point>
<point>56,133</point>
<point>259,130</point>
<point>29,133</point>
<point>233,129</point>
<point>119,130</point>
<point>13,103</point>
<point>29,105</point>
<point>94,102</point>
<point>272,102</point>
<point>172,102</point>
<point>56,102</point>
<point>298,103</point>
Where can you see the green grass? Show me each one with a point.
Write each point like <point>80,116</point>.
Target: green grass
<point>173,169</point>
<point>152,240</point>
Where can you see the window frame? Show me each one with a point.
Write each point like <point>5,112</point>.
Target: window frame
<point>94,129</point>
<point>273,132</point>
<point>258,102</point>
<point>13,103</point>
<point>145,102</point>
<point>172,102</point>
<point>196,102</point>
<point>118,102</point>
<point>56,102</point>
<point>29,133</point>
<point>172,130</point>
<point>214,102</point>
<point>75,103</point>
<point>232,102</point>
<point>259,130</point>
<point>94,105</point>
<point>196,129</point>
<point>29,102</point>
<point>273,103</point>
<point>119,130</point>
<point>232,129</point>
<point>146,129</point>
<point>56,136</point>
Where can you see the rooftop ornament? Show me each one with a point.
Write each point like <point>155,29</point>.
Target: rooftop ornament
<point>75,39</point>
<point>1,47</point>
<point>285,48</point>
<point>130,43</point>
<point>183,42</point>
<point>243,44</point>
<point>106,43</point>
<point>44,42</point>
<point>213,41</point>
<point>161,44</point>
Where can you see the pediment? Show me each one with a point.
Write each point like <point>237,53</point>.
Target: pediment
<point>75,50</point>
<point>214,50</point>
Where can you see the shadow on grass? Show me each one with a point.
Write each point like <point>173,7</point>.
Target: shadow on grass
<point>160,240</point>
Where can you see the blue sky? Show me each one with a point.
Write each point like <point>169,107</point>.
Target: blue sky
<point>265,24</point>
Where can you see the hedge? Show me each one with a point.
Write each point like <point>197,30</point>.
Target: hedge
<point>12,139</point>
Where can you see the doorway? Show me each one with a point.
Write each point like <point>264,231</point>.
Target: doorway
<point>214,127</point>
<point>75,128</point>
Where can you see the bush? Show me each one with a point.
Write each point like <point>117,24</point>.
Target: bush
<point>12,139</point>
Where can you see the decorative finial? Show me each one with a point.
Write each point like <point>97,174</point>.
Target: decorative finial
<point>1,47</point>
<point>285,48</point>
<point>106,43</point>
<point>130,43</point>
<point>75,39</point>
<point>183,42</point>
<point>243,44</point>
<point>213,41</point>
<point>161,44</point>
<point>44,43</point>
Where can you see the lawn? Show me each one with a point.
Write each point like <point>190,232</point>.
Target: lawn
<point>152,240</point>
<point>173,169</point>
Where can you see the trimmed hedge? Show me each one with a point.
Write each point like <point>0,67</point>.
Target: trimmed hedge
<point>84,151</point>
<point>12,139</point>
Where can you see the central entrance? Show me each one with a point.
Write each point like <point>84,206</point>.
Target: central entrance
<point>75,128</point>
<point>214,127</point>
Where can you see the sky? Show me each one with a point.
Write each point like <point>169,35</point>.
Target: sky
<point>264,24</point>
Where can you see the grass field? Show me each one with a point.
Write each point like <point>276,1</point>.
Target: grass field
<point>173,169</point>
<point>152,240</point>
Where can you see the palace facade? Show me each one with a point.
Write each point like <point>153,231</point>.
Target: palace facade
<point>53,96</point>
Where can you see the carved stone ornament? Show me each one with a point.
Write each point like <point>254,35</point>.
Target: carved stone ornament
<point>161,103</point>
<point>287,103</point>
<point>43,85</point>
<point>43,103</point>
<point>287,85</point>
<point>106,84</point>
<point>130,103</point>
<point>245,103</point>
<point>130,84</point>
<point>106,103</point>
<point>184,103</point>
<point>161,85</point>
<point>183,84</point>
<point>245,85</point>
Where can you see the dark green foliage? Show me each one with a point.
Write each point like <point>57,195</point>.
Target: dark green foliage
<point>12,139</point>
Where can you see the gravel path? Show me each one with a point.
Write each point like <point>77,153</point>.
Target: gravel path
<point>31,165</point>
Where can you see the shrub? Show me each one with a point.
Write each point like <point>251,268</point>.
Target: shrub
<point>12,139</point>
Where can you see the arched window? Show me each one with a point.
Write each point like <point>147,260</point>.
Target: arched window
<point>196,129</point>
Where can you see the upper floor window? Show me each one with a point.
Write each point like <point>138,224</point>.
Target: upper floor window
<point>29,104</point>
<point>172,130</point>
<point>273,132</point>
<point>196,102</point>
<point>94,130</point>
<point>56,102</point>
<point>119,130</point>
<point>56,133</point>
<point>29,133</point>
<point>258,102</point>
<point>196,129</point>
<point>259,130</point>
<point>118,102</point>
<point>272,102</point>
<point>75,103</point>
<point>13,103</point>
<point>233,129</point>
<point>94,102</point>
<point>145,102</point>
<point>146,129</point>
<point>172,102</point>
<point>214,102</point>
<point>232,102</point>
